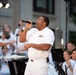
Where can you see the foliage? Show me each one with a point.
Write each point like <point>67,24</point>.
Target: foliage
<point>73,18</point>
<point>72,37</point>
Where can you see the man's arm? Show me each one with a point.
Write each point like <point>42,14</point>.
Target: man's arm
<point>23,35</point>
<point>6,43</point>
<point>3,44</point>
<point>38,46</point>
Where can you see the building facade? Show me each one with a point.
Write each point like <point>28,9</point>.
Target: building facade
<point>55,10</point>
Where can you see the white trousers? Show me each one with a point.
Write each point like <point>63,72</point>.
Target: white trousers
<point>37,67</point>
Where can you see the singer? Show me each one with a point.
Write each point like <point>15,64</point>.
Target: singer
<point>40,41</point>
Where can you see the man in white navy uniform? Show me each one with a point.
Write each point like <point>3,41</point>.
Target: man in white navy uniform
<point>40,41</point>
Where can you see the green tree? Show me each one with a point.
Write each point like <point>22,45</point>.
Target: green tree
<point>73,18</point>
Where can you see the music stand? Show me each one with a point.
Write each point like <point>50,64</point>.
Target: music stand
<point>17,67</point>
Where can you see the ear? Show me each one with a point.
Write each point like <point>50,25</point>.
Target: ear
<point>45,23</point>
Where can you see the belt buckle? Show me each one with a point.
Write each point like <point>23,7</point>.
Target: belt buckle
<point>32,60</point>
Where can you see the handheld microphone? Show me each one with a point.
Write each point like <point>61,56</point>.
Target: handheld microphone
<point>28,22</point>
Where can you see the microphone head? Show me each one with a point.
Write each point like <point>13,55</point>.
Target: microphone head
<point>18,24</point>
<point>2,28</point>
<point>17,34</point>
<point>0,36</point>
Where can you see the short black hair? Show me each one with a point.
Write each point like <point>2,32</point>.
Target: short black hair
<point>71,43</point>
<point>46,19</point>
<point>7,35</point>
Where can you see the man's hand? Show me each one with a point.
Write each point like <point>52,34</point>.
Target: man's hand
<point>28,25</point>
<point>38,46</point>
<point>6,43</point>
<point>23,35</point>
<point>27,46</point>
<point>69,64</point>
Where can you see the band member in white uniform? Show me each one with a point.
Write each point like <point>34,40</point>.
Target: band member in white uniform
<point>18,44</point>
<point>20,27</point>
<point>4,38</point>
<point>4,62</point>
<point>69,64</point>
<point>40,41</point>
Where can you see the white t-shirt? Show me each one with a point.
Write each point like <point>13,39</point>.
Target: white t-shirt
<point>72,62</point>
<point>46,36</point>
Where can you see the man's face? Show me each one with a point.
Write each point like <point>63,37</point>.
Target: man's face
<point>39,23</point>
<point>20,23</point>
<point>7,29</point>
<point>74,55</point>
<point>70,46</point>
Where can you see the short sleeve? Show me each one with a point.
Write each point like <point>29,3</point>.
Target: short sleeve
<point>49,37</point>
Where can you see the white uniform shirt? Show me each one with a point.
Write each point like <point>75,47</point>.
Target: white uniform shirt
<point>72,62</point>
<point>74,70</point>
<point>3,41</point>
<point>12,36</point>
<point>20,45</point>
<point>17,29</point>
<point>46,36</point>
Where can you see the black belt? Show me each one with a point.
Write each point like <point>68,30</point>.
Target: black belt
<point>47,60</point>
<point>32,60</point>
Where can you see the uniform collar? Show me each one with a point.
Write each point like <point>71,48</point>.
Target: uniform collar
<point>43,29</point>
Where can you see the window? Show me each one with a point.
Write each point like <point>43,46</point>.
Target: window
<point>72,37</point>
<point>73,7</point>
<point>45,6</point>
